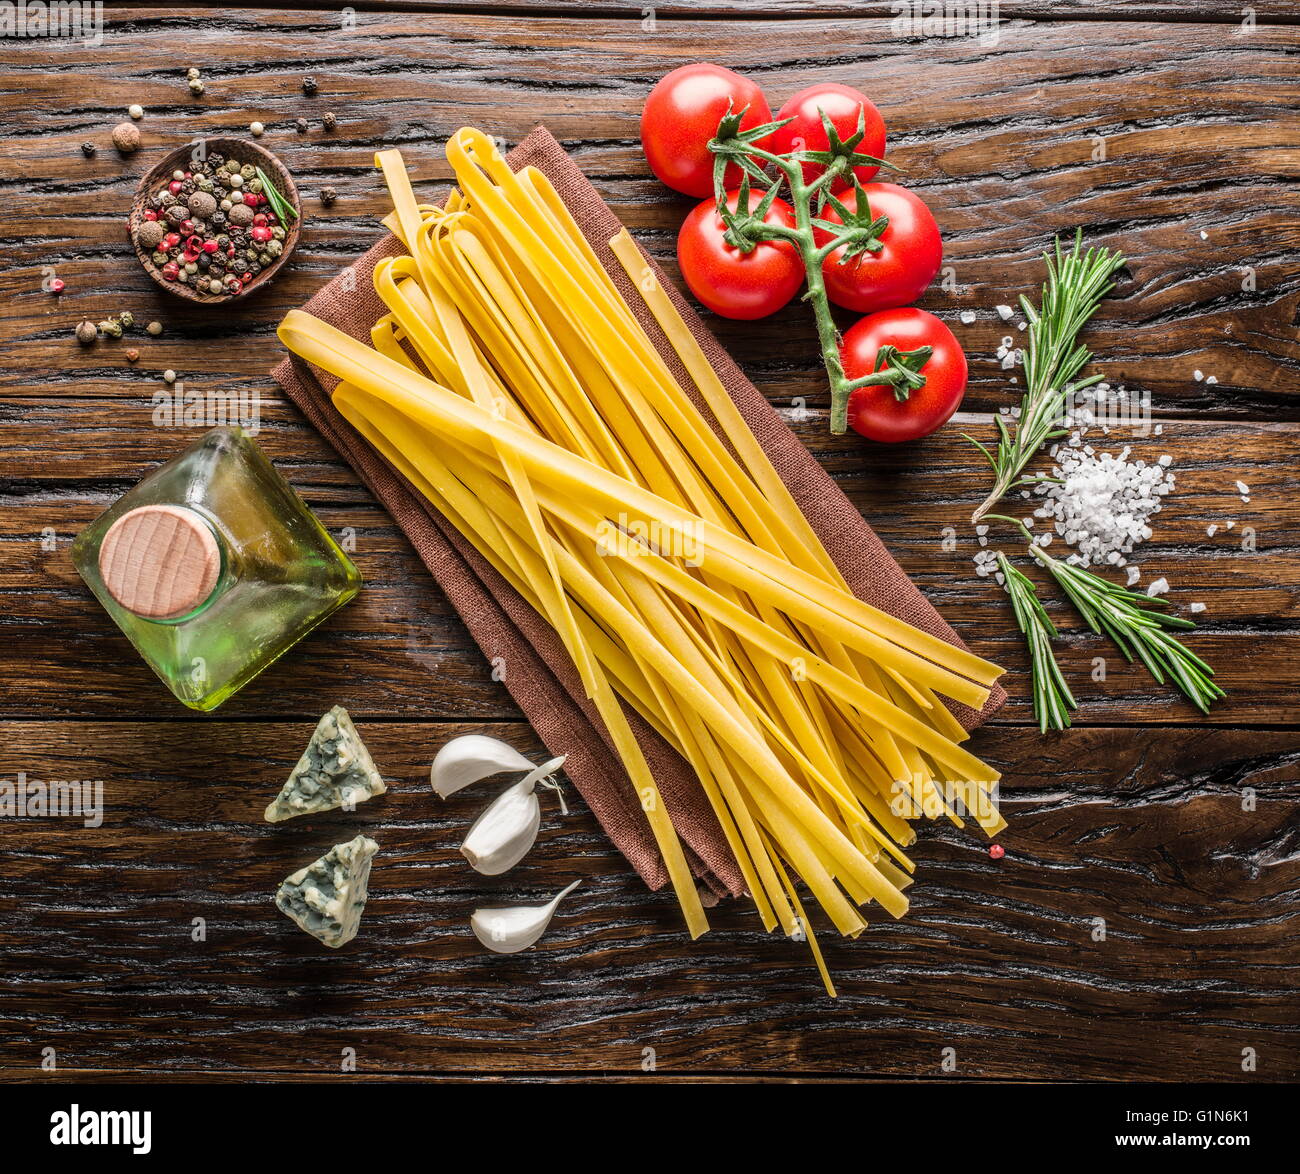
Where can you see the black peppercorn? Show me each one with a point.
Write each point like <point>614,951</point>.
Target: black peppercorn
<point>205,262</point>
<point>309,84</point>
<point>88,149</point>
<point>218,219</point>
<point>214,160</point>
<point>300,125</point>
<point>328,196</point>
<point>329,121</point>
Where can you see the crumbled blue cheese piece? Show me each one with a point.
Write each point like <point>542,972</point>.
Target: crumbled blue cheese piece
<point>328,897</point>
<point>336,770</point>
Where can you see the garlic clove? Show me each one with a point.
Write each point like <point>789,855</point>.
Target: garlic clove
<point>467,759</point>
<point>503,835</point>
<point>515,927</point>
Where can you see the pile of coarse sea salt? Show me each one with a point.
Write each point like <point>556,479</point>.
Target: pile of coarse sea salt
<point>1099,503</point>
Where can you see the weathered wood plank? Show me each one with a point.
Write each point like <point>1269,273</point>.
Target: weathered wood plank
<point>400,645</point>
<point>1198,890</point>
<point>1000,140</point>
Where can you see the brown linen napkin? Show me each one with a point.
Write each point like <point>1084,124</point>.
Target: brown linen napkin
<point>522,647</point>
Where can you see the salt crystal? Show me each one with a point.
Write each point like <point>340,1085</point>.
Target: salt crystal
<point>1242,487</point>
<point>1165,461</point>
<point>983,541</point>
<point>1159,587</point>
<point>1158,430</point>
<point>1020,325</point>
<point>967,316</point>
<point>1008,360</point>
<point>1134,573</point>
<point>981,530</point>
<point>1197,375</point>
<point>1211,379</point>
<point>1005,313</point>
<point>1211,530</point>
<point>1100,503</point>
<point>1204,235</point>
<point>1229,525</point>
<point>1196,607</point>
<point>1001,578</point>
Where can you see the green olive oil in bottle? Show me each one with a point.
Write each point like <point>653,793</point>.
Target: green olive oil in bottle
<point>213,567</point>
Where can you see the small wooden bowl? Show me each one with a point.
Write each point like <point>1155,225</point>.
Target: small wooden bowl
<point>179,159</point>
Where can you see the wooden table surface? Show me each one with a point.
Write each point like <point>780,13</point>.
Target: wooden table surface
<point>1179,832</point>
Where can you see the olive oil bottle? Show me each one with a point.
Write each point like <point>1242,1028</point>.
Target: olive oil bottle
<point>213,567</point>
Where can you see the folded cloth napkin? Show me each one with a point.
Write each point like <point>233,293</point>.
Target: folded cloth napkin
<point>525,652</point>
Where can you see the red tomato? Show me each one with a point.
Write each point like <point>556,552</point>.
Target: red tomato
<point>682,114</point>
<point>841,104</point>
<point>899,273</point>
<point>875,411</point>
<point>732,283</point>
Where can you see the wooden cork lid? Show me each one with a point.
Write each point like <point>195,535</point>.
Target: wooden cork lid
<point>160,561</point>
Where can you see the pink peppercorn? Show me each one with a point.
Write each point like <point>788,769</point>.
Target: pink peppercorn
<point>150,214</point>
<point>210,246</point>
<point>997,851</point>
<point>259,219</point>
<point>171,271</point>
<point>186,226</point>
<point>174,187</point>
<point>56,285</point>
<point>260,234</point>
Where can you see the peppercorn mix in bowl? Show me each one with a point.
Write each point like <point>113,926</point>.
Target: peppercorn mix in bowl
<point>215,220</point>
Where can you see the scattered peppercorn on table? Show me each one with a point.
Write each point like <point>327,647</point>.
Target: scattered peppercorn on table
<point>1135,919</point>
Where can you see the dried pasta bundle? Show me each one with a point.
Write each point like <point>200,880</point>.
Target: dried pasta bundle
<point>513,386</point>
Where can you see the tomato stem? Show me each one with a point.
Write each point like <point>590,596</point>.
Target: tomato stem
<point>901,370</point>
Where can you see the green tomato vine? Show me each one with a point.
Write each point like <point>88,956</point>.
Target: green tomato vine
<point>857,233</point>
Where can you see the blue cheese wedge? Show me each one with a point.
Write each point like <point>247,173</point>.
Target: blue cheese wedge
<point>336,770</point>
<point>328,897</point>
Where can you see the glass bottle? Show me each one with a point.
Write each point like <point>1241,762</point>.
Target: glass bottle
<point>213,567</point>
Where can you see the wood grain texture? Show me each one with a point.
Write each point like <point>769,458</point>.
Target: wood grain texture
<point>1000,142</point>
<point>399,645</point>
<point>1140,815</point>
<point>1200,900</point>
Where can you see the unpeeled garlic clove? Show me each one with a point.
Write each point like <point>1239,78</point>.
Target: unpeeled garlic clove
<point>502,836</point>
<point>467,759</point>
<point>515,927</point>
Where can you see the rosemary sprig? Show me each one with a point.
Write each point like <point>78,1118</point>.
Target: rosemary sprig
<point>1076,283</point>
<point>279,205</point>
<point>1052,697</point>
<point>1134,622</point>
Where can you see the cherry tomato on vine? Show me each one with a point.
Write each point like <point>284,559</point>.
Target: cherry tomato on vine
<point>900,272</point>
<point>875,411</point>
<point>732,283</point>
<point>682,114</point>
<point>841,104</point>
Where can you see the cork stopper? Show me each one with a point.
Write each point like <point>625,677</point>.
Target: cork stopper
<point>160,561</point>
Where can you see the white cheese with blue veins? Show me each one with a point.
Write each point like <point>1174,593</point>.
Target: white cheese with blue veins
<point>336,770</point>
<point>327,898</point>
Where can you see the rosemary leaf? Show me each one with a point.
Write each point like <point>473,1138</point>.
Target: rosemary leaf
<point>1076,283</point>
<point>1136,624</point>
<point>1052,697</point>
